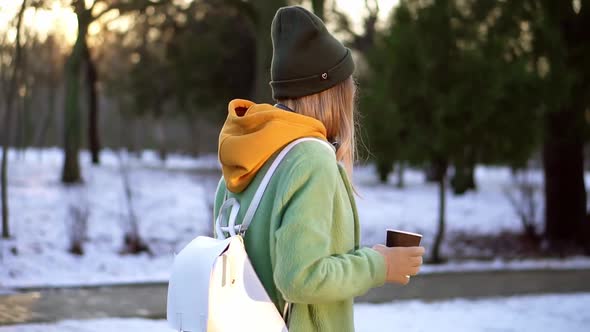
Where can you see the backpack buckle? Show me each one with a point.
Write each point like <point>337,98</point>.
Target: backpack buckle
<point>234,206</point>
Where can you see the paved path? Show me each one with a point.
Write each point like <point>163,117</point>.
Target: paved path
<point>149,300</point>
<point>438,286</point>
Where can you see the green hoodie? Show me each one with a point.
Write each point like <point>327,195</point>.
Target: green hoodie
<point>304,238</point>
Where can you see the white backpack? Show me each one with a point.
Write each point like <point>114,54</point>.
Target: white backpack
<point>213,286</point>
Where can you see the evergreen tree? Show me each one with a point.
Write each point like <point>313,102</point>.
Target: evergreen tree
<point>181,65</point>
<point>459,97</point>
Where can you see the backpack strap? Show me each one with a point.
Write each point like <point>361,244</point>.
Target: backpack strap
<point>234,205</point>
<point>260,192</point>
<point>266,179</point>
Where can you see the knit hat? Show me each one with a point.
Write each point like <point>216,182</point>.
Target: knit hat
<point>306,58</point>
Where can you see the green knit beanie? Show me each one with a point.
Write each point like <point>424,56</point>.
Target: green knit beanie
<point>306,58</point>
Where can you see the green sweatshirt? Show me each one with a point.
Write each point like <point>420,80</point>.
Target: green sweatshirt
<point>304,239</point>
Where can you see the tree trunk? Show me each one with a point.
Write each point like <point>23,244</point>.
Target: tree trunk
<point>5,221</point>
<point>432,172</point>
<point>93,133</point>
<point>71,167</point>
<point>400,175</point>
<point>318,8</point>
<point>20,124</point>
<point>463,179</point>
<point>384,167</point>
<point>471,178</point>
<point>265,13</point>
<point>72,130</point>
<point>12,92</point>
<point>435,255</point>
<point>26,120</point>
<point>262,92</point>
<point>565,192</point>
<point>160,133</point>
<point>565,127</point>
<point>39,140</point>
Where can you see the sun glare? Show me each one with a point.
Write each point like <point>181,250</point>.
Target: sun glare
<point>356,10</point>
<point>61,20</point>
<point>55,19</point>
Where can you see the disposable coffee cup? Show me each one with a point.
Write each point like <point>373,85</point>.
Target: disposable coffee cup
<point>397,238</point>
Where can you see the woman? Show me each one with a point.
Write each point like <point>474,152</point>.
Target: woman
<point>304,238</point>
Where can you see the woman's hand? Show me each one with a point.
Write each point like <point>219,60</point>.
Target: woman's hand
<point>402,262</point>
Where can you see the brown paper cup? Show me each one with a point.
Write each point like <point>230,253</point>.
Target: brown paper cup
<point>397,238</point>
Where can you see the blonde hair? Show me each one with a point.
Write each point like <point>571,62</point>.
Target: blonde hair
<point>334,107</point>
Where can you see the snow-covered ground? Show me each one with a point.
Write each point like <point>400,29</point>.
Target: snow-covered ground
<point>169,202</point>
<point>172,200</point>
<point>541,313</point>
<point>544,313</point>
<point>415,208</point>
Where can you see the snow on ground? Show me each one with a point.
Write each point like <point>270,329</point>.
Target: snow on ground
<point>172,203</point>
<point>538,313</point>
<point>94,325</point>
<point>415,208</point>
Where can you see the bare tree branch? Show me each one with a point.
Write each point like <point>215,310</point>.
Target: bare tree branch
<point>362,42</point>
<point>343,22</point>
<point>93,5</point>
<point>372,10</point>
<point>129,6</point>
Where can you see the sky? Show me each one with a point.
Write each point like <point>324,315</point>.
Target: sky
<point>64,20</point>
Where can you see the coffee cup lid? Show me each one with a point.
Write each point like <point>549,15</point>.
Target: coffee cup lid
<point>404,232</point>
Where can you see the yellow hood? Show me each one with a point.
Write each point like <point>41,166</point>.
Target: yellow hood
<point>252,133</point>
